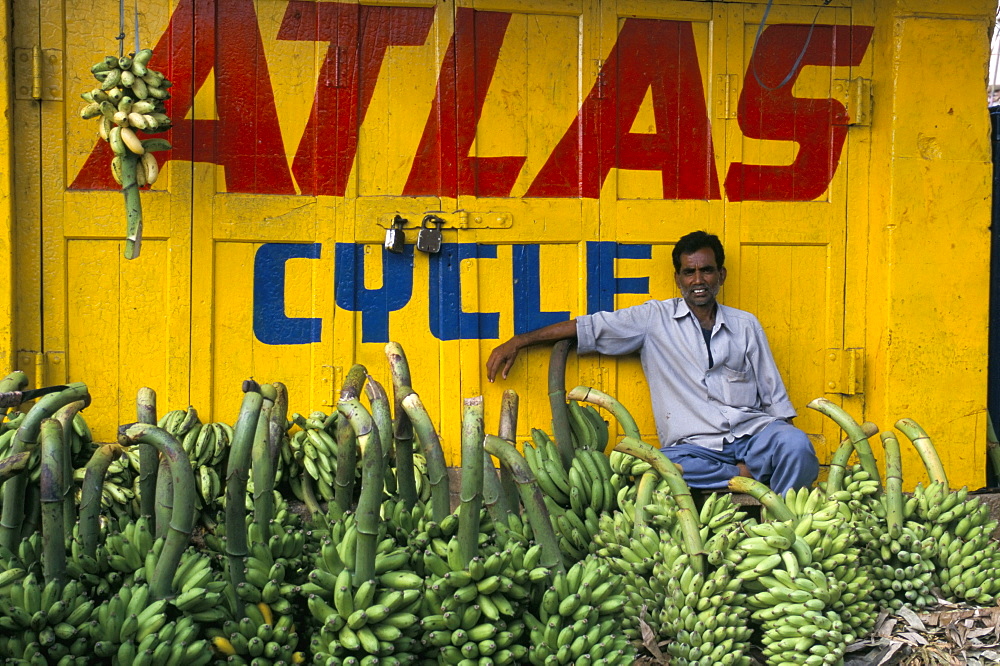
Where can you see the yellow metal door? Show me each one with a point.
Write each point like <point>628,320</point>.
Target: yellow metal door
<point>796,154</point>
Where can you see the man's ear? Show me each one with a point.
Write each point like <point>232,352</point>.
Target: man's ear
<point>722,275</point>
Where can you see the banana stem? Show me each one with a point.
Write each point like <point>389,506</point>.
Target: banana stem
<point>149,459</point>
<point>53,527</point>
<point>90,495</point>
<point>182,517</point>
<point>643,498</point>
<point>557,402</point>
<point>355,380</point>
<point>854,431</point>
<point>164,506</point>
<point>925,447</point>
<point>838,464</point>
<point>471,495</point>
<point>687,513</point>
<point>236,483</point>
<point>437,472</point>
<point>507,430</point>
<point>65,418</point>
<point>601,399</point>
<point>382,415</point>
<point>13,465</point>
<point>263,470</point>
<point>775,506</point>
<point>372,485</point>
<point>309,496</point>
<point>402,429</point>
<point>133,205</point>
<point>277,426</point>
<point>347,462</point>
<point>26,439</point>
<point>15,381</point>
<point>531,496</point>
<point>893,485</point>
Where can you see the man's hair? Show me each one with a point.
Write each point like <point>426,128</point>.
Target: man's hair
<point>697,240</point>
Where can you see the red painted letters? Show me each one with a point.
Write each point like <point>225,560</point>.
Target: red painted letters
<point>359,36</point>
<point>766,111</point>
<point>246,139</point>
<point>442,165</point>
<point>649,54</point>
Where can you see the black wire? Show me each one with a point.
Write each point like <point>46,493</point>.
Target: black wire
<point>798,60</point>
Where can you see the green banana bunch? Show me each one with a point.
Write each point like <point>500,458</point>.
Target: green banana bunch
<point>174,642</point>
<point>967,561</point>
<point>626,472</point>
<point>274,570</point>
<point>315,450</point>
<point>126,550</point>
<point>257,638</point>
<point>129,100</point>
<point>200,593</point>
<point>578,618</point>
<point>41,622</point>
<point>625,546</point>
<point>590,430</point>
<point>472,612</point>
<point>357,619</point>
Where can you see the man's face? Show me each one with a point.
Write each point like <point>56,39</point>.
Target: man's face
<point>699,278</point>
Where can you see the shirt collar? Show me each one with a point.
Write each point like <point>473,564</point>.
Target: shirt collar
<point>683,310</point>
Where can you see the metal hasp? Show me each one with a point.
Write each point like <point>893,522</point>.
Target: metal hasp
<point>845,371</point>
<point>429,236</point>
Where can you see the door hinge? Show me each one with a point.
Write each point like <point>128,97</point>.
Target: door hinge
<point>845,371</point>
<point>725,96</point>
<point>38,74</point>
<point>856,96</point>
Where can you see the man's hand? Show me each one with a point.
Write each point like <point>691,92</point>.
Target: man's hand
<point>502,358</point>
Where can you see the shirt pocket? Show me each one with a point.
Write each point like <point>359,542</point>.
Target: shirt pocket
<point>739,387</point>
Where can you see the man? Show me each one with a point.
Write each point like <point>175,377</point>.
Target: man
<point>721,408</point>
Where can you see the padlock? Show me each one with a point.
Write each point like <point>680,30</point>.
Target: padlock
<point>395,237</point>
<point>429,236</point>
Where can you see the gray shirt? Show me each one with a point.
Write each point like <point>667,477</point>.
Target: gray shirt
<point>692,403</point>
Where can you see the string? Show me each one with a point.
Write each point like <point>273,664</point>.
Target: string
<point>798,60</point>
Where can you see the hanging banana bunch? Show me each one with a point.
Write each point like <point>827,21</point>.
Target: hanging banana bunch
<point>130,99</point>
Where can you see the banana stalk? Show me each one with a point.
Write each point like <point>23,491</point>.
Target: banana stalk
<point>149,460</point>
<point>437,472</point>
<point>838,464</point>
<point>531,496</point>
<point>261,466</point>
<point>854,431</point>
<point>53,527</point>
<point>687,513</point>
<point>471,494</point>
<point>379,401</point>
<point>90,495</point>
<point>601,399</point>
<point>775,506</point>
<point>355,380</point>
<point>65,418</point>
<point>492,492</point>
<point>347,460</point>
<point>372,486</point>
<point>557,401</point>
<point>893,485</point>
<point>236,484</point>
<point>15,381</point>
<point>508,430</point>
<point>182,518</point>
<point>402,429</point>
<point>924,446</point>
<point>133,205</point>
<point>13,465</point>
<point>163,505</point>
<point>643,498</point>
<point>276,427</point>
<point>25,440</point>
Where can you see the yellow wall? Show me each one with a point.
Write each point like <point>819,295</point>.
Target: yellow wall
<point>874,246</point>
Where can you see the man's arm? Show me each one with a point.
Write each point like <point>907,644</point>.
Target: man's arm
<point>502,357</point>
